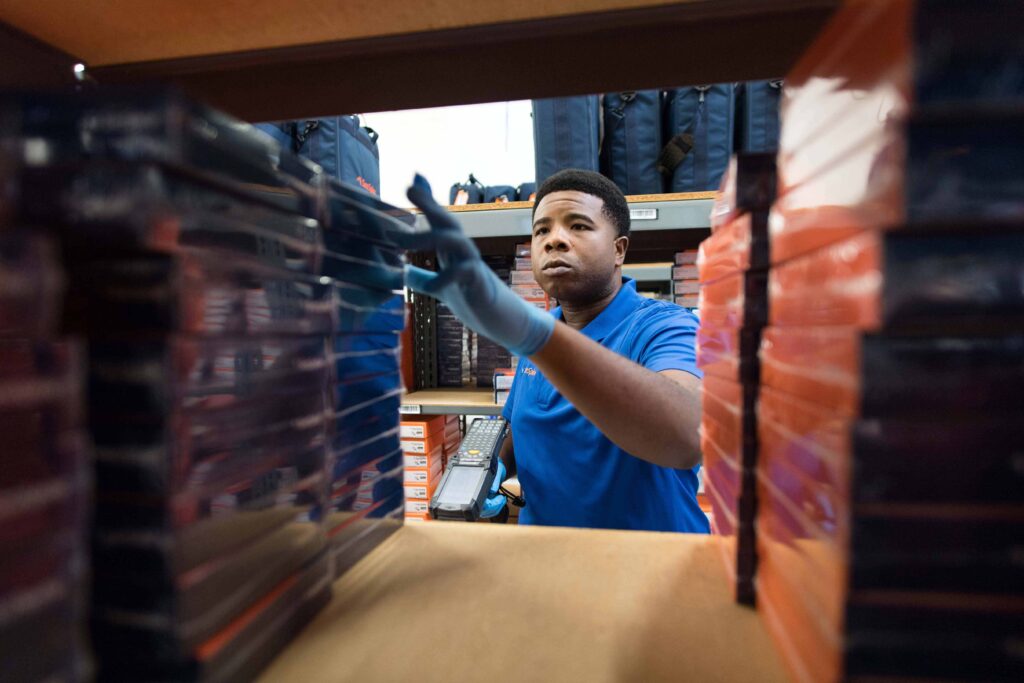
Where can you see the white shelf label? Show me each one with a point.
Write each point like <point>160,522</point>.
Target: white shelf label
<point>410,409</point>
<point>643,214</point>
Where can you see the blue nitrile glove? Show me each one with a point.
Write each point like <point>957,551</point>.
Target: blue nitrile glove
<point>495,500</point>
<point>467,286</point>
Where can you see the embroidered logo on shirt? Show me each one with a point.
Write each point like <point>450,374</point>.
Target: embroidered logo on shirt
<point>529,371</point>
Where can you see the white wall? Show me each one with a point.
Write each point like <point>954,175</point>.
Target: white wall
<point>446,144</point>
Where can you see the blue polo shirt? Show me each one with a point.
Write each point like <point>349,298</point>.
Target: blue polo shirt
<point>571,474</point>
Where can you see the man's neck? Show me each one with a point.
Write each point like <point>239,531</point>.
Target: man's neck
<point>578,316</point>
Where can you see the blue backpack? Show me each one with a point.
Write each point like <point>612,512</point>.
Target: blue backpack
<point>344,149</point>
<point>757,106</point>
<point>632,141</point>
<point>700,130</point>
<point>566,134</point>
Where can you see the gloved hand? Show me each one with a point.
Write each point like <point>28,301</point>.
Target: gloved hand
<point>495,500</point>
<point>467,286</point>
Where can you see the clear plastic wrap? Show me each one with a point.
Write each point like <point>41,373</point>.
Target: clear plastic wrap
<point>874,375</point>
<point>736,246</point>
<point>729,353</point>
<point>748,186</point>
<point>735,301</point>
<point>939,283</point>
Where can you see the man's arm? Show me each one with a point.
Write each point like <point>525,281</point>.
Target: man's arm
<point>652,415</point>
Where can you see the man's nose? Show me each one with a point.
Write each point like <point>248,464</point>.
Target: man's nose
<point>557,239</point>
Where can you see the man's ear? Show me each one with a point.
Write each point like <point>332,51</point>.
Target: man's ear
<point>621,245</point>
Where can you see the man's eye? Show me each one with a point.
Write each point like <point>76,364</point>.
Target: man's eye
<point>580,226</point>
<point>540,231</point>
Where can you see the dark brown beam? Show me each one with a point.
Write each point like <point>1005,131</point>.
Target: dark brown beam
<point>28,62</point>
<point>700,42</point>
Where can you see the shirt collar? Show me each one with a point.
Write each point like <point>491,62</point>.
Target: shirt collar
<point>622,305</point>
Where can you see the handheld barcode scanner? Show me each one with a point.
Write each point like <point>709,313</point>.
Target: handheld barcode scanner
<point>467,480</point>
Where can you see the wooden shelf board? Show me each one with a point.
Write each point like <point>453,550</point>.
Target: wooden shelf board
<point>443,601</point>
<point>465,400</point>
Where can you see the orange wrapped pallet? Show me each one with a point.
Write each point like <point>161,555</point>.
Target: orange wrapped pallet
<point>875,133</point>
<point>733,310</point>
<point>884,535</point>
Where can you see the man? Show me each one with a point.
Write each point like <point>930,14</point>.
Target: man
<point>605,405</point>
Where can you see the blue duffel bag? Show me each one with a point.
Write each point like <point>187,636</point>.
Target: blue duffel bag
<point>757,115</point>
<point>566,134</point>
<point>283,133</point>
<point>632,141</point>
<point>700,129</point>
<point>343,148</point>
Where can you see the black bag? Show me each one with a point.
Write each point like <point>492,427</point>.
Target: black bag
<point>469,192</point>
<point>632,141</point>
<point>757,107</point>
<point>700,137</point>
<point>526,192</point>
<point>499,194</point>
<point>566,134</point>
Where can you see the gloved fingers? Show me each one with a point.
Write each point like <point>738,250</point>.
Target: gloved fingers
<point>420,195</point>
<point>418,240</point>
<point>418,279</point>
<point>453,246</point>
<point>492,506</point>
<point>499,477</point>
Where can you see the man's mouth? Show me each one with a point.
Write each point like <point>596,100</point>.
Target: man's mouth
<point>555,268</point>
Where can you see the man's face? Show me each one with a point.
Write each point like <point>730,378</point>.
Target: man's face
<point>575,248</point>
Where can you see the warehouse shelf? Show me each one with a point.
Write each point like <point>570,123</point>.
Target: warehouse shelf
<point>457,401</point>
<point>648,272</point>
<point>649,212</point>
<point>443,601</point>
<point>302,59</point>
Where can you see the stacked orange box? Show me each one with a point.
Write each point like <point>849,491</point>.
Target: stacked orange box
<point>523,282</point>
<point>684,279</point>
<point>888,482</point>
<point>732,265</point>
<point>425,442</point>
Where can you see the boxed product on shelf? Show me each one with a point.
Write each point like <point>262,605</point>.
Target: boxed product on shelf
<point>684,272</point>
<point>45,484</point>
<point>686,300</point>
<point>738,245</point>
<point>523,250</point>
<point>243,372</point>
<point>522,277</point>
<point>733,306</point>
<point>748,187</point>
<point>685,287</point>
<point>955,280</point>
<point>685,258</point>
<point>888,143</point>
<point>894,340</point>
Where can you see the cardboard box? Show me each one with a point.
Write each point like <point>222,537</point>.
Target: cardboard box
<point>525,277</point>
<point>423,460</point>
<point>421,428</point>
<point>424,475</point>
<point>421,491</point>
<point>685,258</point>
<point>686,287</point>
<point>685,272</point>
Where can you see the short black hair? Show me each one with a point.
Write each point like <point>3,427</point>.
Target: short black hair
<point>592,183</point>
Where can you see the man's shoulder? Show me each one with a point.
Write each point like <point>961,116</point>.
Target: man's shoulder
<point>659,314</point>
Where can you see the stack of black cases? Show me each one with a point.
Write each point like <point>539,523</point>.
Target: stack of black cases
<point>452,348</point>
<point>44,481</point>
<point>242,331</point>
<point>890,497</point>
<point>732,266</point>
<point>365,456</point>
<point>489,356</point>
